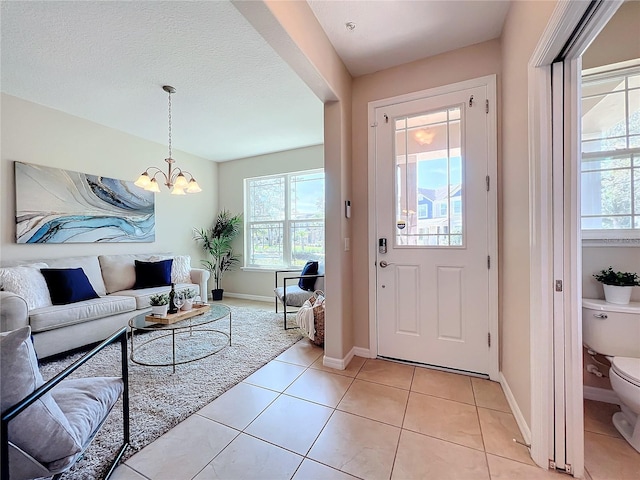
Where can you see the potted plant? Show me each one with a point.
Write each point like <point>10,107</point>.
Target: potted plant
<point>187,295</point>
<point>216,241</point>
<point>159,304</point>
<point>617,285</point>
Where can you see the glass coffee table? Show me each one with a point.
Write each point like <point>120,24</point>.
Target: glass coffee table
<point>160,345</point>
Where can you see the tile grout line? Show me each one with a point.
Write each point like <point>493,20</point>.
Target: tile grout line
<point>406,406</point>
<point>484,447</point>
<point>335,409</point>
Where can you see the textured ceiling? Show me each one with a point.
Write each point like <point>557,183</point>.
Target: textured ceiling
<point>107,61</point>
<point>390,33</point>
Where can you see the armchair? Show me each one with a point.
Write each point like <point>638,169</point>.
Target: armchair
<point>290,294</point>
<point>45,429</point>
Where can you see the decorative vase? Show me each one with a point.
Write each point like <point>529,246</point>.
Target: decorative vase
<point>216,294</point>
<point>617,294</point>
<point>188,304</point>
<point>159,310</point>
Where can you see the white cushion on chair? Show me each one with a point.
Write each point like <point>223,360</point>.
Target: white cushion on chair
<point>86,402</point>
<point>295,295</point>
<point>41,430</point>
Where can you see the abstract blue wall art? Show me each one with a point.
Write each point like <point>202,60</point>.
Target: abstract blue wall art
<point>61,206</point>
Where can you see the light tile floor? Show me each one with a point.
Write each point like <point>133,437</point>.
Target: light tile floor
<point>296,419</point>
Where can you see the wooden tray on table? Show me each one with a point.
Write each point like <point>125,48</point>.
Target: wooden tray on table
<point>177,317</point>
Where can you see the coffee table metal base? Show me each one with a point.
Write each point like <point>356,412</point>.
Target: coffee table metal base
<point>191,340</point>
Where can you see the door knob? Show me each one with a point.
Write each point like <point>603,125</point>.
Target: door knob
<point>384,264</point>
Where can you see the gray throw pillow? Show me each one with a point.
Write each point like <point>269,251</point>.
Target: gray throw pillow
<point>41,430</point>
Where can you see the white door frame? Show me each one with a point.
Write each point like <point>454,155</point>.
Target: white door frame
<point>559,30</point>
<point>488,81</point>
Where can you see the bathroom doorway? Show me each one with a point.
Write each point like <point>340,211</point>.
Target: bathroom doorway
<point>607,216</point>
<point>558,274</point>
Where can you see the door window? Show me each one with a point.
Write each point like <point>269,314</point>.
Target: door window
<point>429,190</point>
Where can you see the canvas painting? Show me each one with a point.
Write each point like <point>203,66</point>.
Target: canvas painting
<point>61,206</point>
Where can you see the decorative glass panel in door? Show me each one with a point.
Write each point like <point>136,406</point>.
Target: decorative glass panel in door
<point>429,193</point>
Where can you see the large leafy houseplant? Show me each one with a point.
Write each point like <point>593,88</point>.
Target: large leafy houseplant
<point>216,241</point>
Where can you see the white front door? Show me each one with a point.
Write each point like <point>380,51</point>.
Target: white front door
<point>432,207</point>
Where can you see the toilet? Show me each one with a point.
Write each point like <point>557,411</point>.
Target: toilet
<point>614,331</point>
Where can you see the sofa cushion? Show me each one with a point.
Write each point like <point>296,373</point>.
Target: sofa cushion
<point>28,282</point>
<point>141,296</point>
<point>153,274</point>
<point>42,430</point>
<point>48,318</point>
<point>68,285</point>
<point>180,269</point>
<point>119,272</point>
<point>89,265</point>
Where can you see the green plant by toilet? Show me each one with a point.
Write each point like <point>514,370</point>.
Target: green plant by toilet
<point>619,279</point>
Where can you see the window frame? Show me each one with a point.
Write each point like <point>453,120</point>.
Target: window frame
<point>287,222</point>
<point>613,237</point>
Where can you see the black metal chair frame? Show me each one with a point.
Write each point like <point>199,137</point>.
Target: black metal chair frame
<point>11,413</point>
<point>284,296</point>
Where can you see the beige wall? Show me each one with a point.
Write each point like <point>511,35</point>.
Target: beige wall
<point>231,197</point>
<point>523,28</point>
<point>35,134</point>
<point>293,31</point>
<point>618,41</point>
<point>463,64</point>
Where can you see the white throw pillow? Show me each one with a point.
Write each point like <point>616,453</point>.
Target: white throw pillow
<point>180,269</point>
<point>28,282</point>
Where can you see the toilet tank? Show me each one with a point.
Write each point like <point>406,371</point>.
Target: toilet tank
<point>611,329</point>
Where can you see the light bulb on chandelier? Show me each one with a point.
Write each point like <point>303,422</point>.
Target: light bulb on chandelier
<point>175,178</point>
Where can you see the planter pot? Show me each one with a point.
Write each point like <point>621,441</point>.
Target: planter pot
<point>159,310</point>
<point>216,294</point>
<point>188,304</point>
<point>616,294</point>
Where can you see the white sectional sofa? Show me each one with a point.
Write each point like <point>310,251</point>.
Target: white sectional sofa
<point>58,328</point>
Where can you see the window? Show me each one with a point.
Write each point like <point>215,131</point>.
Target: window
<point>429,163</point>
<point>284,217</point>
<point>610,170</point>
<point>457,206</point>
<point>423,211</point>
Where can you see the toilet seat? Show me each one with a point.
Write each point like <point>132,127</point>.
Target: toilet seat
<point>628,369</point>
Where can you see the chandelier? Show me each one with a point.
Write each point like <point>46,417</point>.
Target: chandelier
<point>175,177</point>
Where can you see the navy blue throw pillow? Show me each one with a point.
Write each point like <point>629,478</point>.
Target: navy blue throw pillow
<point>153,274</point>
<point>310,268</point>
<point>68,285</point>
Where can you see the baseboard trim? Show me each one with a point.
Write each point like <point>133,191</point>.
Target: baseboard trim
<point>522,424</point>
<point>245,296</point>
<point>362,352</point>
<point>338,363</point>
<point>600,395</point>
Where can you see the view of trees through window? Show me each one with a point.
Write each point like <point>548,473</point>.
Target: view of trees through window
<point>610,171</point>
<point>284,219</point>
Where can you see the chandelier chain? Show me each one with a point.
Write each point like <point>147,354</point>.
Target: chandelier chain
<point>169,124</point>
<point>175,177</point>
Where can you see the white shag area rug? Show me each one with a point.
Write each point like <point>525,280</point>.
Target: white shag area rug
<point>160,399</point>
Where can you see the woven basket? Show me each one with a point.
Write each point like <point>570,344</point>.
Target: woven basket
<point>318,317</point>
